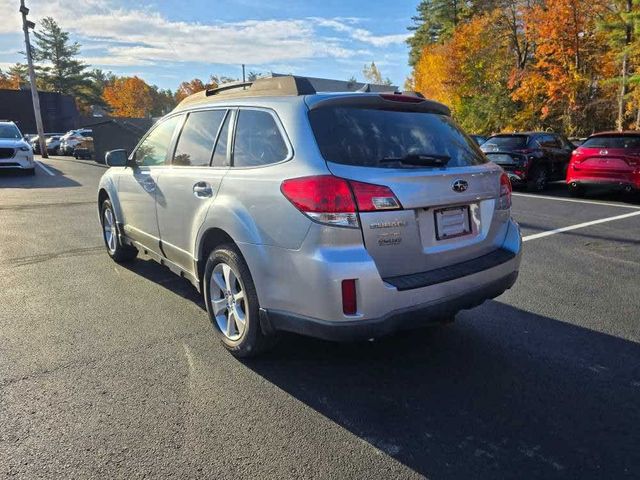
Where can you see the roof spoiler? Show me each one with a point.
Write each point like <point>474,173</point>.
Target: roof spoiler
<point>386,101</point>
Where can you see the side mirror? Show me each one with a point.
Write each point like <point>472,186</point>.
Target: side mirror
<point>116,158</point>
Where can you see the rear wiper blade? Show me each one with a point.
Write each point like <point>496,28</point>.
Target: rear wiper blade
<point>429,160</point>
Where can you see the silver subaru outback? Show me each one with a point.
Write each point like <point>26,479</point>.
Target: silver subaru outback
<point>335,215</point>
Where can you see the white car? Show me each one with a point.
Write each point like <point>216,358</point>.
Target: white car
<point>70,140</point>
<point>15,151</point>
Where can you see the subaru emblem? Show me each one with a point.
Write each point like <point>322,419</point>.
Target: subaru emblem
<point>460,186</point>
<point>604,152</point>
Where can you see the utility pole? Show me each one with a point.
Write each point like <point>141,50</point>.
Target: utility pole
<point>26,25</point>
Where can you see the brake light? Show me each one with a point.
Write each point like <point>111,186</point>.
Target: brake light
<point>396,97</point>
<point>349,301</point>
<point>504,201</point>
<point>370,198</point>
<point>336,201</point>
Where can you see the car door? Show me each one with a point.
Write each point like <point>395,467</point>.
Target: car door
<point>137,187</point>
<point>549,147</point>
<point>564,155</point>
<point>190,184</point>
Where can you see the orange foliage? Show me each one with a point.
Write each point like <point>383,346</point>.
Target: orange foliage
<point>568,61</point>
<point>188,88</point>
<point>129,97</point>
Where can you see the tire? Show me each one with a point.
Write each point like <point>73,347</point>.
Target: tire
<point>538,180</point>
<point>576,191</point>
<point>117,251</point>
<point>227,281</point>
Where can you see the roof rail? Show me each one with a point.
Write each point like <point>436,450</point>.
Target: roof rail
<point>287,85</point>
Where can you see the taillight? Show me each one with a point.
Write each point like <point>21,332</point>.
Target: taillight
<point>336,201</point>
<point>370,198</point>
<point>349,301</point>
<point>504,201</point>
<point>325,199</point>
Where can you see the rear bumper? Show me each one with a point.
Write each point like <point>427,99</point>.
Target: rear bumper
<point>300,291</point>
<point>615,183</point>
<point>403,319</point>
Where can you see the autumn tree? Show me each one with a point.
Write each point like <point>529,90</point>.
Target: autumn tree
<point>189,88</point>
<point>129,97</point>
<point>564,82</point>
<point>15,78</point>
<point>470,74</point>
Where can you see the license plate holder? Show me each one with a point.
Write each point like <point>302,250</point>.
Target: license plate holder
<point>452,222</point>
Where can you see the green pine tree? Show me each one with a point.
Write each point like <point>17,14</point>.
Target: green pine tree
<point>58,68</point>
<point>434,22</point>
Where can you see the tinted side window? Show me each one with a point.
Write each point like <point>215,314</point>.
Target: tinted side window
<point>198,135</point>
<point>220,154</point>
<point>153,150</point>
<point>258,140</point>
<point>549,141</point>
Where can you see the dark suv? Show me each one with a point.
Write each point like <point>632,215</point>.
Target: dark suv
<point>531,159</point>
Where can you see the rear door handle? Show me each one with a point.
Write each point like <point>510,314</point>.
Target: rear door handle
<point>202,190</point>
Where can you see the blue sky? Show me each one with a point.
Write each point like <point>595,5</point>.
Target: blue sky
<point>166,42</point>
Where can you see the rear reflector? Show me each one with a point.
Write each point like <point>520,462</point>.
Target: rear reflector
<point>349,303</point>
<point>504,201</point>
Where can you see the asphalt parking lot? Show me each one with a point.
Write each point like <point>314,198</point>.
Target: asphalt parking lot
<point>113,372</point>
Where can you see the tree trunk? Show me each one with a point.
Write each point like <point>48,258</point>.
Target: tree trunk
<point>623,92</point>
<point>623,80</point>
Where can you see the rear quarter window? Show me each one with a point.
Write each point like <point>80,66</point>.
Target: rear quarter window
<point>369,137</point>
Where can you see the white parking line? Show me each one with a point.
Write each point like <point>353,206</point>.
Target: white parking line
<point>579,225</point>
<point>575,200</point>
<point>41,165</point>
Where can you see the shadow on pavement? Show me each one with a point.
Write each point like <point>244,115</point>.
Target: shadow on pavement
<point>503,393</point>
<point>17,178</point>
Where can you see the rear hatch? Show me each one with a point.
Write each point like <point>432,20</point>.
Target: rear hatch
<point>613,156</point>
<point>446,188</point>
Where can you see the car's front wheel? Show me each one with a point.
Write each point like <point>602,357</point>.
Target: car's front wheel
<point>232,303</point>
<point>116,250</point>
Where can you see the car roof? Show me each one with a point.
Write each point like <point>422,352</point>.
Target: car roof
<point>613,132</point>
<point>294,89</point>
<point>507,134</point>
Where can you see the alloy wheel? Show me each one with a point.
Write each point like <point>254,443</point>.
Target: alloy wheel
<point>109,227</point>
<point>228,301</point>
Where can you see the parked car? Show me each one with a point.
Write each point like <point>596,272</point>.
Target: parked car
<point>84,149</point>
<point>479,139</point>
<point>531,159</point>
<point>577,141</point>
<point>336,215</point>
<point>608,159</point>
<point>15,151</point>
<point>72,138</point>
<point>52,141</point>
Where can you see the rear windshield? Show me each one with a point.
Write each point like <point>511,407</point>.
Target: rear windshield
<point>613,141</point>
<point>506,142</point>
<point>10,131</point>
<point>374,138</point>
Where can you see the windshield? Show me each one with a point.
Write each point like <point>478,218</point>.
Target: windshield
<point>384,138</point>
<point>505,142</point>
<point>613,141</point>
<point>10,131</point>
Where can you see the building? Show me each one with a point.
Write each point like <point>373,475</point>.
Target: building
<point>59,112</point>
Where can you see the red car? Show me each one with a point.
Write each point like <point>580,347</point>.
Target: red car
<point>608,159</point>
